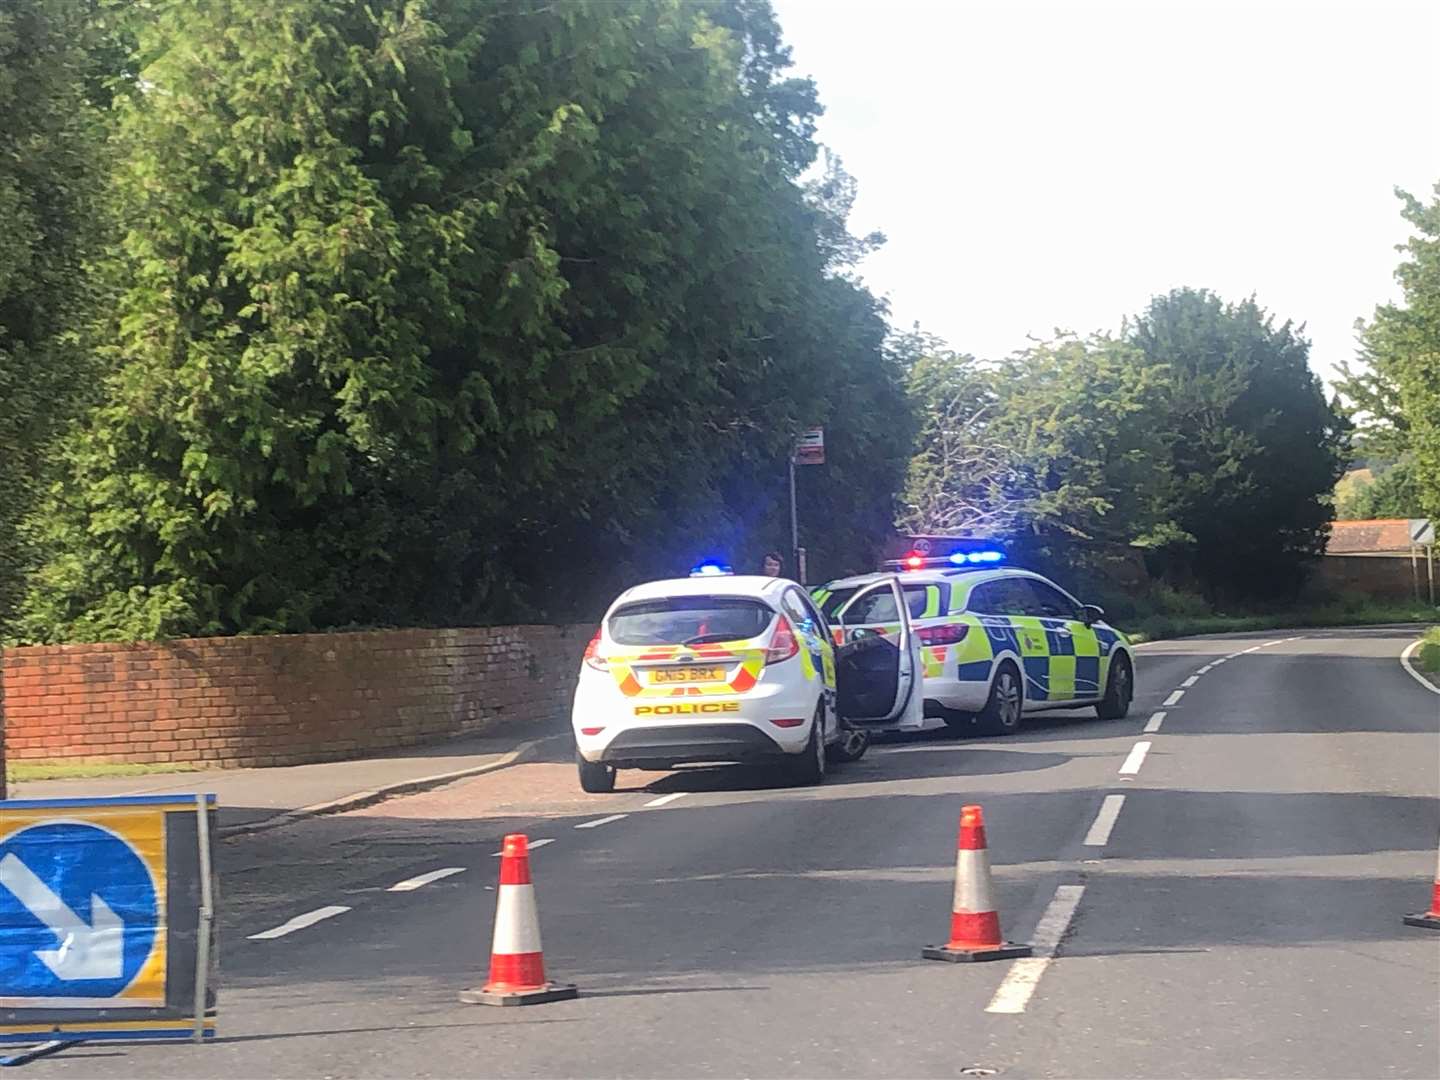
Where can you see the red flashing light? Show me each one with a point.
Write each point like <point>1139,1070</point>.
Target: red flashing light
<point>914,561</point>
<point>783,645</point>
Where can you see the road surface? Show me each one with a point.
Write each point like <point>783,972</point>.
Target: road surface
<point>1237,887</point>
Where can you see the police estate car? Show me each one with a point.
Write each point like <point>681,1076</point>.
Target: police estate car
<point>996,642</point>
<point>716,668</point>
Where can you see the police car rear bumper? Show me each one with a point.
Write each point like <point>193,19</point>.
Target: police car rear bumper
<point>682,744</point>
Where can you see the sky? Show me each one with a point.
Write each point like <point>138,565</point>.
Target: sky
<point>1039,166</point>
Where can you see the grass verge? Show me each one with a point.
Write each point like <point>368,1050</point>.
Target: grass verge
<point>1160,626</point>
<point>20,771</point>
<point>1428,655</point>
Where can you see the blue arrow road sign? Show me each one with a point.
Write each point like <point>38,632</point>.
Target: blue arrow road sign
<point>78,912</point>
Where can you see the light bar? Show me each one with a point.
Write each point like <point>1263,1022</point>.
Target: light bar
<point>972,558</point>
<point>711,569</point>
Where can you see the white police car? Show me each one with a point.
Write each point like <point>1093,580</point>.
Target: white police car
<point>716,668</point>
<point>996,642</point>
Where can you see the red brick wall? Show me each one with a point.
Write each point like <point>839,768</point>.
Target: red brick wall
<point>253,701</point>
<point>1380,576</point>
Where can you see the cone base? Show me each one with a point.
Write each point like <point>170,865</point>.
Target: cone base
<point>1428,919</point>
<point>539,996</point>
<point>1007,951</point>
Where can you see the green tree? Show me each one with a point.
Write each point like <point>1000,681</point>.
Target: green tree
<point>449,311</point>
<point>1393,493</point>
<point>51,179</point>
<point>1394,393</point>
<point>1253,447</point>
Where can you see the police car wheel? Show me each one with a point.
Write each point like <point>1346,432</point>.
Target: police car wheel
<point>1001,715</point>
<point>596,777</point>
<point>851,747</point>
<point>808,767</point>
<point>1119,691</point>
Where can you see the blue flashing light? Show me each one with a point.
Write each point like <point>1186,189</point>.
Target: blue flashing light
<point>977,558</point>
<point>711,569</point>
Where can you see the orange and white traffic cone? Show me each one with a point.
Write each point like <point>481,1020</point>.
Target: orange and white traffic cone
<point>974,921</point>
<point>517,962</point>
<point>1429,919</point>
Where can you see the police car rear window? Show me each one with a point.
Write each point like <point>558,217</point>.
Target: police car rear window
<point>689,620</point>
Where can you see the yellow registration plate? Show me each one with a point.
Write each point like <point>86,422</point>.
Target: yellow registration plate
<point>688,675</point>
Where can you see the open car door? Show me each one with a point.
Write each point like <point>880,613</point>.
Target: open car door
<point>877,676</point>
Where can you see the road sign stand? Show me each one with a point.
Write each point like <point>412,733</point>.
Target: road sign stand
<point>35,1053</point>
<point>207,916</point>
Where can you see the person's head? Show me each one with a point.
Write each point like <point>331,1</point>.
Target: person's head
<point>771,564</point>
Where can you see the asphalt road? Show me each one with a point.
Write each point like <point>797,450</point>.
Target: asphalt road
<point>1241,918</point>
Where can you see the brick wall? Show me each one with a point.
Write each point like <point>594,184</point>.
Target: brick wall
<point>1379,576</point>
<point>254,701</point>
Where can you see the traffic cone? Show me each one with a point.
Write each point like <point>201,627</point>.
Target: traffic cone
<point>1429,919</point>
<point>974,922</point>
<point>517,962</point>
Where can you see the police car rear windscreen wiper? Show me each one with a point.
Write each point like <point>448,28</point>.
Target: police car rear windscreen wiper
<point>705,639</point>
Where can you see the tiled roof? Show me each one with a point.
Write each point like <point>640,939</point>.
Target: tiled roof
<point>1368,537</point>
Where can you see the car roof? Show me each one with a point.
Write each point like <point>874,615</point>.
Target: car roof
<point>930,577</point>
<point>753,586</point>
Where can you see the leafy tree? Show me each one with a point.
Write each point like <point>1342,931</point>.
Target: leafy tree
<point>1393,493</point>
<point>428,299</point>
<point>1395,392</point>
<point>1254,449</point>
<point>51,175</point>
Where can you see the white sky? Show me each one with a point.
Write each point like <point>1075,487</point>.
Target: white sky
<point>1039,165</point>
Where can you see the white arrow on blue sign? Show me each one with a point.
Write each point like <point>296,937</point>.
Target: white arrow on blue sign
<point>78,912</point>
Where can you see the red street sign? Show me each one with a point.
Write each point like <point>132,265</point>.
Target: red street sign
<point>810,447</point>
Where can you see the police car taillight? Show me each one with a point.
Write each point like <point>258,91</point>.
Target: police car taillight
<point>951,634</point>
<point>783,644</point>
<point>599,663</point>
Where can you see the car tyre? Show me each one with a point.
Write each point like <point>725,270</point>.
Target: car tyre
<point>852,745</point>
<point>809,766</point>
<point>1119,690</point>
<point>596,777</point>
<point>1006,703</point>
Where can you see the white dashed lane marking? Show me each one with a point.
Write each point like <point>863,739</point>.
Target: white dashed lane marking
<point>1136,758</point>
<point>1099,833</point>
<point>411,884</point>
<point>532,845</point>
<point>1191,681</point>
<point>1024,975</point>
<point>300,922</point>
<point>600,821</point>
<point>664,799</point>
<point>1153,725</point>
<point>1174,697</point>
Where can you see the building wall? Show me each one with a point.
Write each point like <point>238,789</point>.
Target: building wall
<point>255,701</point>
<point>1381,576</point>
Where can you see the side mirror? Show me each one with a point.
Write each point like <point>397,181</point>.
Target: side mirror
<point>1091,614</point>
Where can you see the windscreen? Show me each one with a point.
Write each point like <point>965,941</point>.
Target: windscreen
<point>689,620</point>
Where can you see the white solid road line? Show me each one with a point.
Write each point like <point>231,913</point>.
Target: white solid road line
<point>310,918</point>
<point>1153,725</point>
<point>1136,758</point>
<point>1405,663</point>
<point>1099,833</point>
<point>1024,975</point>
<point>530,846</point>
<point>600,821</point>
<point>411,884</point>
<point>664,799</point>
<point>1191,681</point>
<point>1174,698</point>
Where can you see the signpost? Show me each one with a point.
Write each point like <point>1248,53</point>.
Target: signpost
<point>809,450</point>
<point>1422,534</point>
<point>106,920</point>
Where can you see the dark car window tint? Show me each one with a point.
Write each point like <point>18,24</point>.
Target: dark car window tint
<point>683,620</point>
<point>874,607</point>
<point>1050,601</point>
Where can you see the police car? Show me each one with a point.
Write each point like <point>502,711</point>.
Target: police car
<point>718,668</point>
<point>996,642</point>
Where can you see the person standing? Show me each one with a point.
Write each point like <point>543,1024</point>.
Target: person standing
<point>771,565</point>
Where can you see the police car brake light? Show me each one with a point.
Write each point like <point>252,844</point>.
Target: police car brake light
<point>977,558</point>
<point>950,634</point>
<point>711,569</point>
<point>783,644</point>
<point>599,663</point>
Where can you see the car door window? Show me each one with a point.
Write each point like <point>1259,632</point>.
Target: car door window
<point>801,613</point>
<point>1006,596</point>
<point>1049,602</point>
<point>877,606</point>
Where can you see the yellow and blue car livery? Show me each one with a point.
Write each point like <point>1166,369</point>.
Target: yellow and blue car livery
<point>970,620</point>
